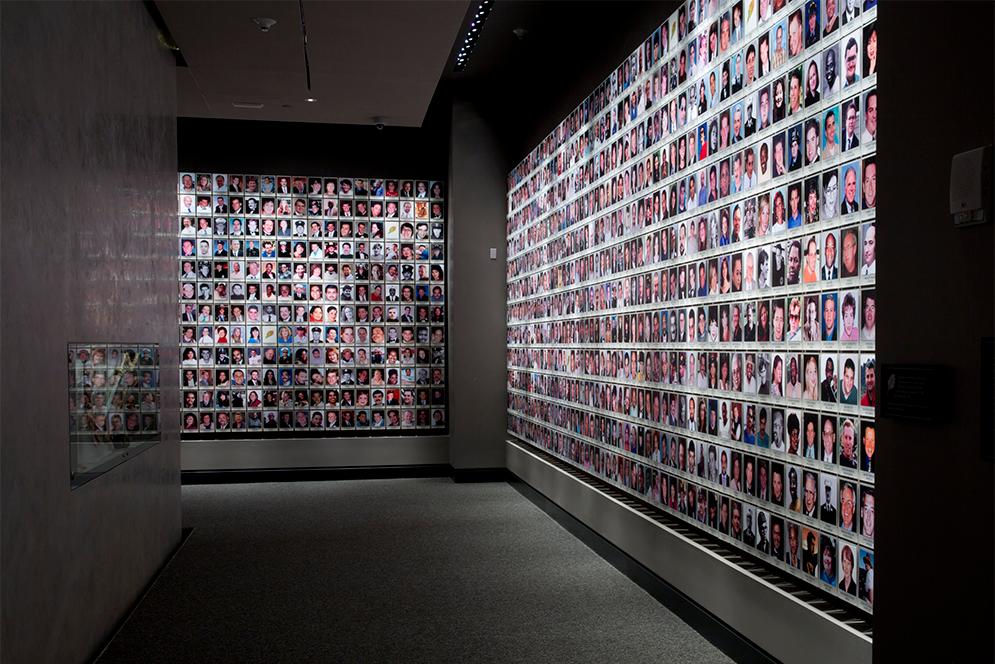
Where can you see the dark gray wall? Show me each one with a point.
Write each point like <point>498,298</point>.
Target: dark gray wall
<point>477,322</point>
<point>934,556</point>
<point>87,192</point>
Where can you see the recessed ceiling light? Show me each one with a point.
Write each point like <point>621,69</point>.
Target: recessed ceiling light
<point>246,104</point>
<point>264,23</point>
<point>311,99</point>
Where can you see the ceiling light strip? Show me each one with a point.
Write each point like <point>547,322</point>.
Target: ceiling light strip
<point>472,33</point>
<point>307,62</point>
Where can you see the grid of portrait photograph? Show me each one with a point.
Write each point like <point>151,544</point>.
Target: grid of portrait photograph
<point>691,282</point>
<point>311,306</point>
<point>113,401</point>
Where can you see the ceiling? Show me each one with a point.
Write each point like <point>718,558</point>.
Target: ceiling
<point>525,85</point>
<point>367,58</point>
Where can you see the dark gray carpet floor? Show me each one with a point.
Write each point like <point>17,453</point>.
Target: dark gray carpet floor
<point>409,570</point>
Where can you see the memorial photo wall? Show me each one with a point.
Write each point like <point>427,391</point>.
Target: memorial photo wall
<point>114,408</point>
<point>691,282</point>
<point>311,306</point>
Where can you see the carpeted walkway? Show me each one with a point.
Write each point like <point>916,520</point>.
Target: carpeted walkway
<point>409,570</point>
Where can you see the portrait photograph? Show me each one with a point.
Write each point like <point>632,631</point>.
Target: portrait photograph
<point>847,573</point>
<point>850,49</point>
<point>868,380</point>
<point>868,318</point>
<point>870,119</point>
<point>869,182</point>
<point>867,511</point>
<point>830,71</point>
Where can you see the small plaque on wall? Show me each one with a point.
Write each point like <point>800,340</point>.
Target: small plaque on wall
<point>912,393</point>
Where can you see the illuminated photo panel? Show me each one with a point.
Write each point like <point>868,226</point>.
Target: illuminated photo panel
<point>311,306</point>
<point>691,282</point>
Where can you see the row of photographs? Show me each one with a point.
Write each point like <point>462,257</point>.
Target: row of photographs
<point>253,314</point>
<point>796,263</point>
<point>637,68</point>
<point>285,313</point>
<point>111,377</point>
<point>810,317</point>
<point>229,287</point>
<point>300,185</point>
<point>321,265</point>
<point>364,367</point>
<point>805,545</point>
<point>794,490</point>
<point>301,396</point>
<point>272,377</point>
<point>301,313</point>
<point>779,427</point>
<point>320,261</point>
<point>226,334</point>
<point>131,427</point>
<point>839,382</point>
<point>619,242</point>
<point>314,356</point>
<point>268,208</point>
<point>108,399</point>
<point>305,271</point>
<point>811,195</point>
<point>195,424</point>
<point>124,357</point>
<point>264,237</point>
<point>311,276</point>
<point>349,231</point>
<point>225,291</point>
<point>250,291</point>
<point>845,383</point>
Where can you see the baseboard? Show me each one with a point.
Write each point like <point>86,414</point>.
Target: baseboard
<point>248,476</point>
<point>470,475</point>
